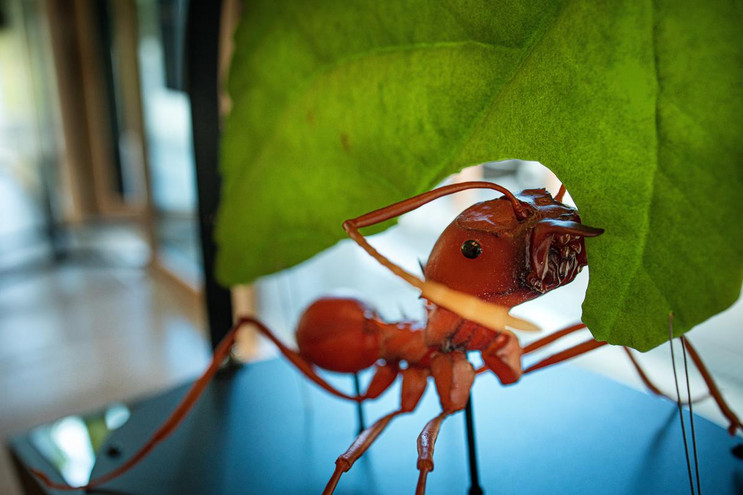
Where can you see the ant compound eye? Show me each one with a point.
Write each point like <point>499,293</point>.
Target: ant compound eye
<point>471,249</point>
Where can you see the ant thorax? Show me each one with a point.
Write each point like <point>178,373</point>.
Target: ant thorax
<point>402,341</point>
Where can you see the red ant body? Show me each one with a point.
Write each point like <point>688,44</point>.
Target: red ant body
<point>492,257</point>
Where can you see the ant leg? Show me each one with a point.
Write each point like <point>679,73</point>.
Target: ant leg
<point>453,375</point>
<point>650,385</point>
<point>426,443</point>
<point>735,423</point>
<point>414,381</point>
<point>383,377</point>
<point>533,347</point>
<point>569,353</point>
<point>574,328</point>
<point>553,337</point>
<point>501,351</point>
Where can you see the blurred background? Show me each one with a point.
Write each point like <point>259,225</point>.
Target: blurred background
<point>102,272</point>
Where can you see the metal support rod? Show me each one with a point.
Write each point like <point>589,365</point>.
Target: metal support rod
<point>359,405</point>
<point>202,50</point>
<point>475,488</point>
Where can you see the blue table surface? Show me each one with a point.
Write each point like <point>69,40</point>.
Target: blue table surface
<point>264,429</point>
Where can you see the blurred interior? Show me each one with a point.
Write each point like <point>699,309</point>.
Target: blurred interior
<point>101,268</point>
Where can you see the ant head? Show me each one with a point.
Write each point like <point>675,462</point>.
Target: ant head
<point>556,247</point>
<point>338,334</point>
<point>509,255</point>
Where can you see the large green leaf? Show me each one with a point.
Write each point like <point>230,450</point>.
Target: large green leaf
<point>342,107</point>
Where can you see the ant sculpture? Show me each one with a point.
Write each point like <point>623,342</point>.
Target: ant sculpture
<point>493,256</point>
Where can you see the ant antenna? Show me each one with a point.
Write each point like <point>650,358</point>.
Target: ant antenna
<point>560,193</point>
<point>467,306</point>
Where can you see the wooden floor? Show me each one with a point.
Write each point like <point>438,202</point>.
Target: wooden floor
<point>73,338</point>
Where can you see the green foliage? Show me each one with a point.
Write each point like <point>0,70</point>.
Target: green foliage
<point>343,107</point>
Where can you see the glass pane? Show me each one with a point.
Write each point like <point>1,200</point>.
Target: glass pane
<point>167,114</point>
<point>26,136</point>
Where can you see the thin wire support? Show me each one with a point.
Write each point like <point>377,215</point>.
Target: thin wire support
<point>678,402</point>
<point>691,417</point>
<point>359,405</point>
<point>475,488</point>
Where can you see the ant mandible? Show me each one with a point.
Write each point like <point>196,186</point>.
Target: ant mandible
<point>495,255</point>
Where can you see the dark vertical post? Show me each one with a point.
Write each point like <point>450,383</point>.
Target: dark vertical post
<point>202,49</point>
<point>359,405</point>
<point>102,15</point>
<point>475,488</point>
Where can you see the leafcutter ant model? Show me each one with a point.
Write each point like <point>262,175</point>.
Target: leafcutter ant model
<point>493,256</point>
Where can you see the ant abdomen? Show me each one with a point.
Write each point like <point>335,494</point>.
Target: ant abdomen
<point>339,334</point>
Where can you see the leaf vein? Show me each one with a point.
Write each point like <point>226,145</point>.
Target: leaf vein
<point>492,103</point>
<point>312,77</point>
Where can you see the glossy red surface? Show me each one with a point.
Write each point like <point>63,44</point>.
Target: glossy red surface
<point>338,335</point>
<point>520,258</point>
